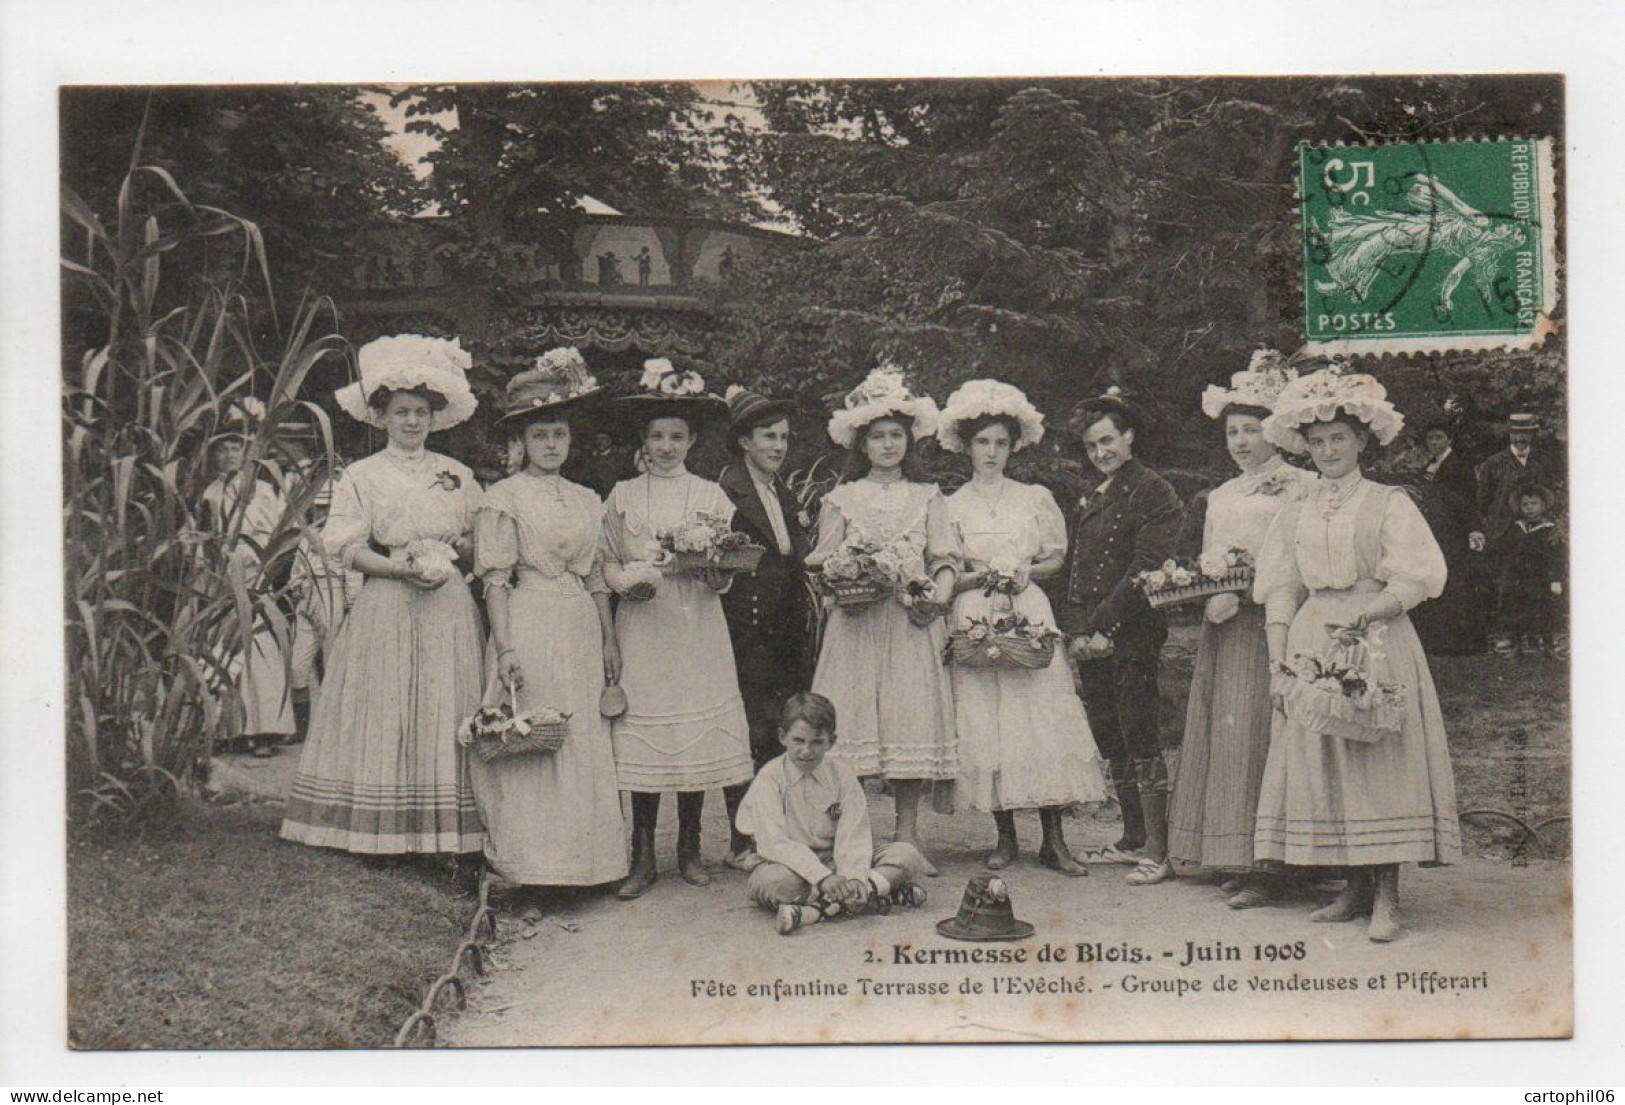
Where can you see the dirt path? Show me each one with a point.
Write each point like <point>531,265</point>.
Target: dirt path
<point>658,971</point>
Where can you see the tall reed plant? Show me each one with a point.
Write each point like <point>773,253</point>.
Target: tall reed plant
<point>167,305</point>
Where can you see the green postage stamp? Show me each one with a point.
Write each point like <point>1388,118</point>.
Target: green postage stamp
<point>1428,247</point>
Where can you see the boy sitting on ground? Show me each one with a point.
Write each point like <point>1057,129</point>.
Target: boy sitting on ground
<point>809,815</point>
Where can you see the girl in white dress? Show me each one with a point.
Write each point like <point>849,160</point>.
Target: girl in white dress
<point>684,730</point>
<point>381,771</point>
<point>1024,742</point>
<point>552,819</point>
<point>881,664</point>
<point>1362,786</point>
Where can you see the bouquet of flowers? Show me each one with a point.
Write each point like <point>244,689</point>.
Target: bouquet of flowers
<point>1335,693</point>
<point>706,541</point>
<point>1211,574</point>
<point>434,558</point>
<point>1002,640</point>
<point>866,570</point>
<point>500,731</point>
<point>1000,582</point>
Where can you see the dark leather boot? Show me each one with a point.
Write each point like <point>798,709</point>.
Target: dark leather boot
<point>1053,852</point>
<point>643,873</point>
<point>1128,798</point>
<point>690,805</point>
<point>1004,852</point>
<point>738,842</point>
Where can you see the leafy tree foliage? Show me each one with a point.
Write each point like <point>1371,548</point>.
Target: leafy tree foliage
<point>305,163</point>
<point>513,162</point>
<point>1071,235</point>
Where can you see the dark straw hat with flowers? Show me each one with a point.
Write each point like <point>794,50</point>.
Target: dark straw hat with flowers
<point>666,391</point>
<point>556,385</point>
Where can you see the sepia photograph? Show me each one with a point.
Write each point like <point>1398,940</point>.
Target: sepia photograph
<point>815,561</point>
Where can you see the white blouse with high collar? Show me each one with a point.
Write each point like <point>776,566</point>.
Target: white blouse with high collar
<point>1240,510</point>
<point>394,498</point>
<point>539,523</point>
<point>1348,530</point>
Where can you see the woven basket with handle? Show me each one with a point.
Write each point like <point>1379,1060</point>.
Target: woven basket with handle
<point>999,652</point>
<point>541,740</point>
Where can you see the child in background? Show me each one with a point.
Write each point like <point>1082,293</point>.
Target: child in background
<point>323,590</point>
<point>810,819</point>
<point>1531,560</point>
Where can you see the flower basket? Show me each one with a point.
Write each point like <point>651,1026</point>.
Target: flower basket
<point>500,732</point>
<point>1236,580</point>
<point>705,542</point>
<point>1336,694</point>
<point>1008,652</point>
<point>744,558</point>
<point>855,592</point>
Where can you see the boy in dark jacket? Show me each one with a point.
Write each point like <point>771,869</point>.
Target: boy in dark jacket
<point>1531,563</point>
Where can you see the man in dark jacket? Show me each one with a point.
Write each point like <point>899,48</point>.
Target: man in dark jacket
<point>1523,461</point>
<point>767,610</point>
<point>1452,624</point>
<point>1129,523</point>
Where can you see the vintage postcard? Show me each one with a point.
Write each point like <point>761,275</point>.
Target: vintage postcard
<point>816,561</point>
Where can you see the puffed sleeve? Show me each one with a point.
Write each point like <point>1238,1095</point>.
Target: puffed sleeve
<point>831,530</point>
<point>1050,524</point>
<point>720,505</point>
<point>1412,564</point>
<point>348,526</point>
<point>1277,585</point>
<point>612,543</point>
<point>622,568</point>
<point>594,578</point>
<point>1204,507</point>
<point>942,545</point>
<point>473,498</point>
<point>496,541</point>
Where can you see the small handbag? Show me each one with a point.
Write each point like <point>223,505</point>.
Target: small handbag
<point>612,702</point>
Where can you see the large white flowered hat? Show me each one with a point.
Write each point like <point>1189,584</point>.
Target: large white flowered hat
<point>405,361</point>
<point>976,398</point>
<point>883,392</point>
<point>1258,385</point>
<point>1323,395</point>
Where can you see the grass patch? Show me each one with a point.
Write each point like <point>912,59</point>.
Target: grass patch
<point>213,933</point>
